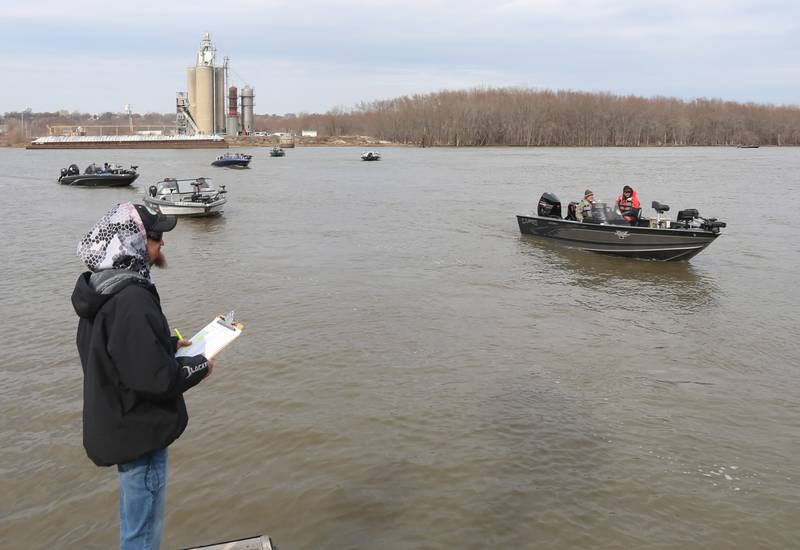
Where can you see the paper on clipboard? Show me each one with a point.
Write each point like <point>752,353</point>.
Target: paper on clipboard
<point>212,338</point>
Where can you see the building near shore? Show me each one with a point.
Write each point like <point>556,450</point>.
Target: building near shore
<point>201,115</point>
<point>201,109</point>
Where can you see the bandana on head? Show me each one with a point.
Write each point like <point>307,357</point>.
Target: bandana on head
<point>117,241</point>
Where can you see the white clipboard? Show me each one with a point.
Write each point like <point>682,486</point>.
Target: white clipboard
<point>212,338</point>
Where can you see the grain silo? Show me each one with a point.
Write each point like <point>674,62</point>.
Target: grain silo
<point>206,90</point>
<point>247,110</point>
<point>204,99</point>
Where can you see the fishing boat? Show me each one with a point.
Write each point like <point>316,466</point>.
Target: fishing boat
<point>233,160</point>
<point>606,231</point>
<point>187,197</point>
<point>752,146</point>
<point>370,155</point>
<point>277,152</point>
<point>109,175</point>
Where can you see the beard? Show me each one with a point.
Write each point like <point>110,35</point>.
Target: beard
<point>160,261</point>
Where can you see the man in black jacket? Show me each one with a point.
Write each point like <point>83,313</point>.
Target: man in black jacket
<point>133,384</point>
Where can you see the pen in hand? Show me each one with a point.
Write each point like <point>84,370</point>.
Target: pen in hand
<point>181,342</point>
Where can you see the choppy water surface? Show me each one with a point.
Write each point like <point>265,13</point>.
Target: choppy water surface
<point>416,374</point>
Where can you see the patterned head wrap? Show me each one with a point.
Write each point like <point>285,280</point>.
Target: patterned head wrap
<point>117,241</point>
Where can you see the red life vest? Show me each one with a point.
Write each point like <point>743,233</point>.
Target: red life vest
<point>627,204</point>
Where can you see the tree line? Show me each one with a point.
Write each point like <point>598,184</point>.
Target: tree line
<point>506,116</point>
<point>525,117</point>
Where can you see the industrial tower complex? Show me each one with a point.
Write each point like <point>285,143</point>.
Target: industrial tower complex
<point>202,117</point>
<point>201,109</point>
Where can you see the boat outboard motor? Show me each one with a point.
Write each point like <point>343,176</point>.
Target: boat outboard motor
<point>73,170</point>
<point>549,206</point>
<point>691,219</point>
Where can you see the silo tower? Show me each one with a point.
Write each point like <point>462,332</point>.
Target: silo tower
<point>205,84</point>
<point>247,110</point>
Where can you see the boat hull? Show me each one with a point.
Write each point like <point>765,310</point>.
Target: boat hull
<point>620,240</point>
<point>188,209</point>
<point>231,163</point>
<point>99,180</point>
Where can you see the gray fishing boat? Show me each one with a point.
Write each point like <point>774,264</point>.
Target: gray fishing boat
<point>109,175</point>
<point>186,197</point>
<point>606,231</point>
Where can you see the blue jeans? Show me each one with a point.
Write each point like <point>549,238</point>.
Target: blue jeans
<point>142,492</point>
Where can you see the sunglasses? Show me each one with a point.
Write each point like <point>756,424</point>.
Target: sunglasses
<point>155,235</point>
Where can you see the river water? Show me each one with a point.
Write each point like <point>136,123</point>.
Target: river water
<point>416,374</point>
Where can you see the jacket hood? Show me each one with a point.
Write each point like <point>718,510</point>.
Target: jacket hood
<point>93,290</point>
<point>118,241</point>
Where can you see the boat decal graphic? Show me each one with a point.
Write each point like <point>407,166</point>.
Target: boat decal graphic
<point>621,234</point>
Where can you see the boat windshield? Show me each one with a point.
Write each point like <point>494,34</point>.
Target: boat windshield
<point>168,186</point>
<point>602,212</point>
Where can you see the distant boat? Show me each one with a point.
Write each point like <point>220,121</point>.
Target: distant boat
<point>233,160</point>
<point>370,155</point>
<point>747,146</point>
<point>277,152</point>
<point>189,197</point>
<point>109,175</point>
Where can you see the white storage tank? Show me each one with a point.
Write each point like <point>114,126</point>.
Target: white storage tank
<point>203,110</point>
<point>247,109</point>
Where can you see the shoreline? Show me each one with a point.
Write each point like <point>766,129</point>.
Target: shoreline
<point>370,142</point>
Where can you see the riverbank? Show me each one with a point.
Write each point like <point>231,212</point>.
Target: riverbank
<point>269,141</point>
<point>302,141</point>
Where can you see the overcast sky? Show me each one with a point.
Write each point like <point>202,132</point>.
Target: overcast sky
<point>311,56</point>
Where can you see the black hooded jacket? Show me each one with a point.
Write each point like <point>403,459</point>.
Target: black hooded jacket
<point>132,382</point>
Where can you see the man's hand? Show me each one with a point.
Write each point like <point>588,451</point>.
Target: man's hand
<point>187,343</point>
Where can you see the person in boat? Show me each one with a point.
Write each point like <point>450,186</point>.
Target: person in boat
<point>133,385</point>
<point>585,206</point>
<point>628,204</point>
<point>572,209</point>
